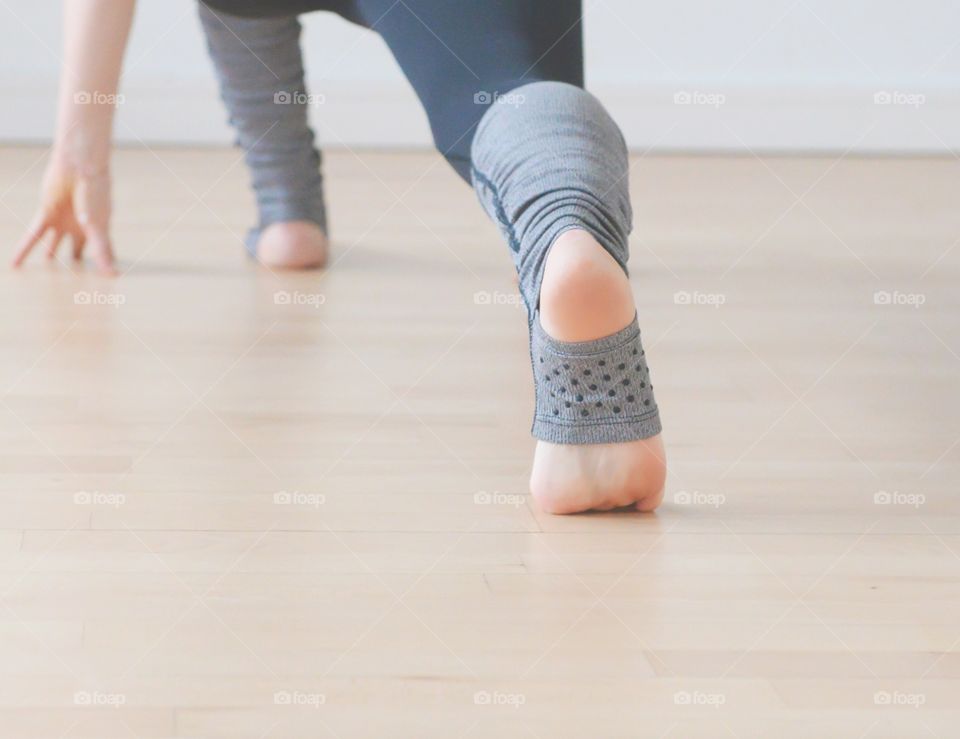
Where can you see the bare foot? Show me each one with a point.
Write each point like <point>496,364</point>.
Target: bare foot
<point>585,295</point>
<point>572,478</point>
<point>292,245</point>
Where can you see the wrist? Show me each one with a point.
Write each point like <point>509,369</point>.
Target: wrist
<point>84,152</point>
<point>80,159</point>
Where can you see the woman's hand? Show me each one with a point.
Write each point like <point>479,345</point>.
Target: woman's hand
<point>75,197</point>
<point>73,204</point>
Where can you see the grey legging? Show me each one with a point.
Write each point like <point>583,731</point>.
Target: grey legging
<point>501,81</point>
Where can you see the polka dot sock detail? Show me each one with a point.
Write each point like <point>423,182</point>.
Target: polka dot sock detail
<point>592,392</point>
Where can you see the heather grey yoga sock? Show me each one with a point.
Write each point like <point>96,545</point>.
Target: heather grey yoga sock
<point>260,68</point>
<point>548,161</point>
<point>592,392</point>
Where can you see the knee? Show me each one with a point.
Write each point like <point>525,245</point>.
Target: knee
<point>555,96</point>
<point>557,141</point>
<point>506,116</point>
<point>558,107</point>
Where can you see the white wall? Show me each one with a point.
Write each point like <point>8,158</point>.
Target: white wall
<point>794,74</point>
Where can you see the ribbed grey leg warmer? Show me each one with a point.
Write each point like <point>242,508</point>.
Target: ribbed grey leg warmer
<point>547,160</point>
<point>260,68</point>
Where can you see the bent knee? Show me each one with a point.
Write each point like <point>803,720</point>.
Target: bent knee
<point>546,104</point>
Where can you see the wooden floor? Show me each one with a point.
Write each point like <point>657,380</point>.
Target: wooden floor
<point>244,504</point>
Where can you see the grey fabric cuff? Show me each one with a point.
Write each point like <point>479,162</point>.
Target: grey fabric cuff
<point>592,392</point>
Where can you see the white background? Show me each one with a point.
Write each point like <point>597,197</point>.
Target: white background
<point>795,75</point>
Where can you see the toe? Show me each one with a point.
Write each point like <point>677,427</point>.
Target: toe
<point>650,502</point>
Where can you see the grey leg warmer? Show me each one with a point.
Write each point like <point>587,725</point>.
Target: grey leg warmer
<point>547,160</point>
<point>260,67</point>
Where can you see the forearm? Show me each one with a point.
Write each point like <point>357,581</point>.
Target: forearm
<point>95,37</point>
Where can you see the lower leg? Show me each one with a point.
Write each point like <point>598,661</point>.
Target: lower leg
<point>553,172</point>
<point>259,65</point>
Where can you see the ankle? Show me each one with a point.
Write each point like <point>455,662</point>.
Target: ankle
<point>585,294</point>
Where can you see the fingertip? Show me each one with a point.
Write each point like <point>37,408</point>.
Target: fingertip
<point>78,243</point>
<point>30,239</point>
<point>106,268</point>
